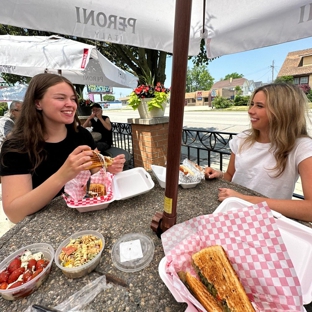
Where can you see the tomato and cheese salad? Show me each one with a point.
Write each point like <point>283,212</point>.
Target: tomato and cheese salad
<point>22,269</point>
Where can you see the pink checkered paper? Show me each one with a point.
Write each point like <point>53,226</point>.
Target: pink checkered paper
<point>75,189</point>
<point>254,245</point>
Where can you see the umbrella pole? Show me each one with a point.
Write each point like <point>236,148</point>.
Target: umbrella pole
<point>163,221</point>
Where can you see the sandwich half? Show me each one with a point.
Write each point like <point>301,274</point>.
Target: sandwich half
<point>201,293</point>
<point>217,273</point>
<point>98,160</point>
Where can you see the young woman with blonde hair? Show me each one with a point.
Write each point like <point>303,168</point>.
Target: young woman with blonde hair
<point>46,149</point>
<point>270,157</point>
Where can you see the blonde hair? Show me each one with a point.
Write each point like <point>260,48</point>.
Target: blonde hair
<point>287,110</point>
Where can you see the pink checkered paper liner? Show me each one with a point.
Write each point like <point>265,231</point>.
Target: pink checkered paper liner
<point>76,188</point>
<point>253,243</point>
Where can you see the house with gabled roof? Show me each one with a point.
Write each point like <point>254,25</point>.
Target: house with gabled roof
<point>299,65</point>
<point>226,88</point>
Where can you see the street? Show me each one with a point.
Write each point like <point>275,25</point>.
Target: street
<point>195,117</point>
<point>199,117</point>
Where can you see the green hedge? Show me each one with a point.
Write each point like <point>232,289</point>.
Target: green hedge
<point>3,108</point>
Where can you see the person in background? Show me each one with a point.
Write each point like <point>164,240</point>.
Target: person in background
<point>101,124</point>
<point>270,157</point>
<point>7,122</point>
<point>46,149</point>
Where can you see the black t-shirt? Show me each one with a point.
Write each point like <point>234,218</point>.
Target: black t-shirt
<point>57,153</point>
<point>107,135</point>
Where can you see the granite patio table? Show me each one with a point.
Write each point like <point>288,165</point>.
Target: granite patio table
<point>144,291</point>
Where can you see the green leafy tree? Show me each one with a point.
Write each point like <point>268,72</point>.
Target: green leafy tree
<point>12,79</point>
<point>238,90</point>
<point>233,76</point>
<point>108,97</point>
<point>132,59</point>
<point>198,78</point>
<point>287,79</point>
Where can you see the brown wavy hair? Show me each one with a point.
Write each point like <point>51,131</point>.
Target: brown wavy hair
<point>27,135</point>
<point>287,109</point>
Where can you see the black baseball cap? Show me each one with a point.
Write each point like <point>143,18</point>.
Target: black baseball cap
<point>96,105</point>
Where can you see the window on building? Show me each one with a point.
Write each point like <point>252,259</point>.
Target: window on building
<point>305,61</point>
<point>304,80</point>
<point>301,80</point>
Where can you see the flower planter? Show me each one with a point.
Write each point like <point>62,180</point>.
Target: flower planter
<point>83,110</point>
<point>155,112</point>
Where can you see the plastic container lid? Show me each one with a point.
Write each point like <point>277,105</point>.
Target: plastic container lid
<point>133,252</point>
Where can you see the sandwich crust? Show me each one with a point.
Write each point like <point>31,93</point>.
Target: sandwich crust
<point>98,160</point>
<point>217,273</point>
<point>201,293</point>
<point>97,190</point>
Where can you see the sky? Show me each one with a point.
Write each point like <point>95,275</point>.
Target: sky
<point>255,65</point>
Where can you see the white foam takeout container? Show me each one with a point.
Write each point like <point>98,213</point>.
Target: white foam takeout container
<point>297,238</point>
<point>298,241</point>
<point>160,174</point>
<point>163,275</point>
<point>126,184</point>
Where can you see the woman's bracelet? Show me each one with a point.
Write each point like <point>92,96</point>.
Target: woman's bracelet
<point>222,175</point>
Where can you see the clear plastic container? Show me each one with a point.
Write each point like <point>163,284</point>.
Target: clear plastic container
<point>139,259</point>
<point>80,271</point>
<point>29,287</point>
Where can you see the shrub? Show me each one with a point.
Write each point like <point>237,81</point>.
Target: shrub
<point>241,100</point>
<point>220,102</point>
<point>286,79</point>
<point>309,96</point>
<point>305,88</point>
<point>3,108</point>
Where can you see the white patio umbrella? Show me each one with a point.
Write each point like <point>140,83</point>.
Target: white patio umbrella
<point>227,26</point>
<point>15,93</point>
<point>79,62</point>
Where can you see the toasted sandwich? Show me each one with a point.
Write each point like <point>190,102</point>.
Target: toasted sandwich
<point>98,160</point>
<point>218,275</point>
<point>201,293</point>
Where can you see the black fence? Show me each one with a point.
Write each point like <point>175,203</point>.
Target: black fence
<point>206,148</point>
<point>122,138</point>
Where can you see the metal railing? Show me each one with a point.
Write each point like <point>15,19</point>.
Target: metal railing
<point>201,146</point>
<point>206,147</point>
<point>122,138</point>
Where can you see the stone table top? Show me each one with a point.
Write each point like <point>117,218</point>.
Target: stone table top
<point>146,291</point>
